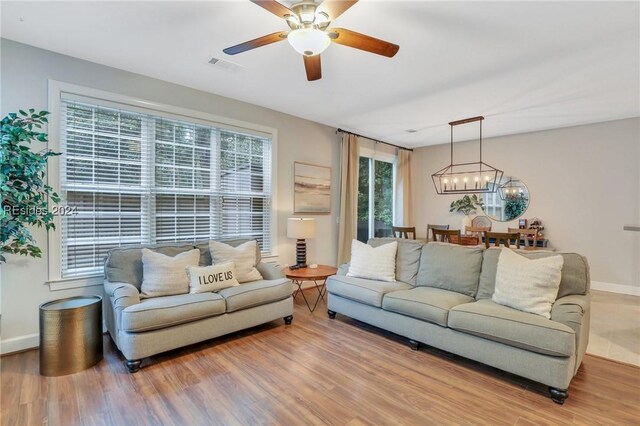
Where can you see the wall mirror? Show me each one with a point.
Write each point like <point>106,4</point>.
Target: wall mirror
<point>510,200</point>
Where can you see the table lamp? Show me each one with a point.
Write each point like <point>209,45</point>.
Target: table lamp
<point>301,228</point>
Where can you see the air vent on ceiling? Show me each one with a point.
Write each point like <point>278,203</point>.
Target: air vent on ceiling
<point>226,65</point>
<point>411,131</point>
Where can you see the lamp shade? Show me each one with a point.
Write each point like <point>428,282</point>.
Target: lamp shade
<point>301,228</point>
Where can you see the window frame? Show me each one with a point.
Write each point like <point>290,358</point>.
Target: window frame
<point>57,90</point>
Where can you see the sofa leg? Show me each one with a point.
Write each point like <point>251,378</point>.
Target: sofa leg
<point>414,344</point>
<point>332,314</point>
<point>133,365</point>
<point>288,319</point>
<point>558,395</point>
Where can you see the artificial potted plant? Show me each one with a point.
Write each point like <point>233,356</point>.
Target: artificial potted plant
<point>466,205</point>
<point>25,194</point>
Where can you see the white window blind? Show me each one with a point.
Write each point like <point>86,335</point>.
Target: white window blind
<point>136,178</point>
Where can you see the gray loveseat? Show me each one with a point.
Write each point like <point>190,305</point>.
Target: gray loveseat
<point>442,297</point>
<point>144,327</point>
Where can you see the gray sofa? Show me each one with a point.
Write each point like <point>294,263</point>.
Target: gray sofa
<point>145,327</point>
<point>442,297</point>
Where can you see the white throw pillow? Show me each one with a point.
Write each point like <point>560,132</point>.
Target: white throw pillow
<point>164,275</point>
<point>244,257</point>
<point>204,279</point>
<point>529,285</point>
<point>377,263</point>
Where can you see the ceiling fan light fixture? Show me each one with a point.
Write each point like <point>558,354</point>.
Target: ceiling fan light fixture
<point>309,41</point>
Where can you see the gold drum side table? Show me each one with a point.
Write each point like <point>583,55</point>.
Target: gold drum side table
<point>70,335</point>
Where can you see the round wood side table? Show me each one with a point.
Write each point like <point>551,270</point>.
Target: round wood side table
<point>321,273</point>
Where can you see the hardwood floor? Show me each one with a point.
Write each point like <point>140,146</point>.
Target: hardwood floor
<point>315,371</point>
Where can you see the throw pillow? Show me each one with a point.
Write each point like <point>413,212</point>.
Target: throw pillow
<point>529,285</point>
<point>164,275</point>
<point>244,257</point>
<point>376,263</point>
<point>204,279</point>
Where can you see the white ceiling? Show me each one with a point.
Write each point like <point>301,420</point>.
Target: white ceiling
<point>525,66</point>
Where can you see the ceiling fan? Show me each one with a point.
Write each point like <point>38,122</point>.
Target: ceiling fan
<point>310,34</point>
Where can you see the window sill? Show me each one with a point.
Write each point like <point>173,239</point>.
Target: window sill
<point>77,282</point>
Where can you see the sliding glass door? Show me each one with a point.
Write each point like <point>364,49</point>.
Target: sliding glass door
<point>375,199</point>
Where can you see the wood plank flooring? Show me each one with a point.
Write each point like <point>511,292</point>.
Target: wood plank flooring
<point>316,371</point>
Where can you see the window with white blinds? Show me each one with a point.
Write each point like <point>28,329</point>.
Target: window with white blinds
<point>136,178</point>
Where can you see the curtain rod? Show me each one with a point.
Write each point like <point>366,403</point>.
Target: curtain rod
<point>375,140</point>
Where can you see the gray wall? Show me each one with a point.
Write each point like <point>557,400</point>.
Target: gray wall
<point>584,184</point>
<point>25,71</point>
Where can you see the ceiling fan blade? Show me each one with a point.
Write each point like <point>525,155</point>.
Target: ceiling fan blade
<point>258,42</point>
<point>274,7</point>
<point>363,42</point>
<point>335,8</point>
<point>313,67</point>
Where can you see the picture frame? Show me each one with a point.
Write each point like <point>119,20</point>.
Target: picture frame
<point>311,188</point>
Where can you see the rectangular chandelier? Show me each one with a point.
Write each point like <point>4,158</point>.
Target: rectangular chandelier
<point>476,177</point>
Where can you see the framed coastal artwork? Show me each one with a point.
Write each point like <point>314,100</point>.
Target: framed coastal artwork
<point>311,188</point>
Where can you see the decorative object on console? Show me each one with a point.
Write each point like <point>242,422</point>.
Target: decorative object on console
<point>301,228</point>
<point>243,256</point>
<point>535,223</point>
<point>481,222</point>
<point>204,279</point>
<point>528,285</point>
<point>466,178</point>
<point>467,205</point>
<point>522,224</point>
<point>164,275</point>
<point>377,263</point>
<point>312,188</point>
<point>310,35</point>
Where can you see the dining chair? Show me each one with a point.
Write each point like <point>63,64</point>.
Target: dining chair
<point>404,231</point>
<point>530,237</point>
<point>476,231</point>
<point>444,234</point>
<point>501,238</point>
<point>430,227</point>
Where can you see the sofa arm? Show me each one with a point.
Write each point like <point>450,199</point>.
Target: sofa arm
<point>122,295</point>
<point>270,271</point>
<point>343,269</point>
<point>574,311</point>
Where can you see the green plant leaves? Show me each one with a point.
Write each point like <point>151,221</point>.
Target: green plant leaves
<point>466,205</point>
<point>25,195</point>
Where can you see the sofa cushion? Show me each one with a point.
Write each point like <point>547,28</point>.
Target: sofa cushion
<point>375,263</point>
<point>165,275</point>
<point>485,318</point>
<point>425,303</point>
<point>205,253</point>
<point>450,267</point>
<point>574,280</point>
<point>528,285</point>
<point>363,290</point>
<point>124,265</point>
<point>162,312</point>
<point>407,257</point>
<point>256,293</point>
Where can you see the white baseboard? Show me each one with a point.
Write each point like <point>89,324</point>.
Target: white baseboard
<point>21,343</point>
<point>615,288</point>
<point>29,341</point>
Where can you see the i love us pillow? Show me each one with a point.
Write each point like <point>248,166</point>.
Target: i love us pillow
<point>203,279</point>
